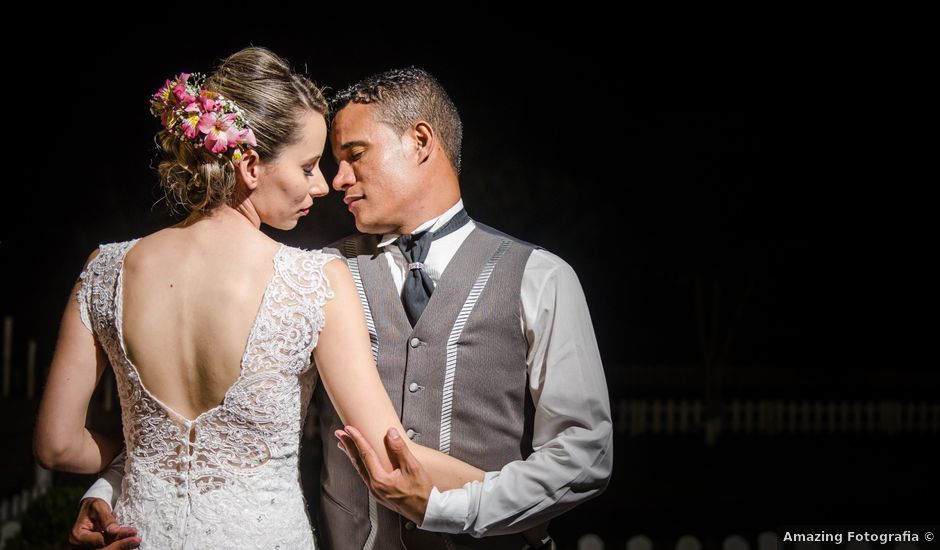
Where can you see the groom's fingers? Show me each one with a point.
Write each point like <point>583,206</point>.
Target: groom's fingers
<point>349,447</point>
<point>367,453</point>
<point>96,526</point>
<point>399,453</point>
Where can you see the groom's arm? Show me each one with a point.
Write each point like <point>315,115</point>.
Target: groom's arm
<point>572,432</point>
<point>96,525</point>
<point>572,435</point>
<point>108,486</point>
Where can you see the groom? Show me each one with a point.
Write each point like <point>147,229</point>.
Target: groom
<point>483,342</point>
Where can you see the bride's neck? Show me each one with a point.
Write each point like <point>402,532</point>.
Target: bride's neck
<point>222,215</point>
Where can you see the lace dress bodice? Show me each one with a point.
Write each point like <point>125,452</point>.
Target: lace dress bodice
<point>228,478</point>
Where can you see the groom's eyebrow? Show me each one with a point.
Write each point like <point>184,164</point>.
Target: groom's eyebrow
<point>350,144</point>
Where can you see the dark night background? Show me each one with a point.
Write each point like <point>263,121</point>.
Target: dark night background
<point>697,187</point>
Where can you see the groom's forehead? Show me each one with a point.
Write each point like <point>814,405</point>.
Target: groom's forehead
<point>357,123</point>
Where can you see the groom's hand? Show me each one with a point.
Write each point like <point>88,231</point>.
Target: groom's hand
<point>406,488</point>
<point>96,527</point>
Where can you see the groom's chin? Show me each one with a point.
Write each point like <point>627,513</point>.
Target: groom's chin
<point>367,228</point>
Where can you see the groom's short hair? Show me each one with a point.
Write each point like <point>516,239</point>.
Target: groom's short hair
<point>405,96</point>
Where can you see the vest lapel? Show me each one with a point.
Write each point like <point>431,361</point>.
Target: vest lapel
<point>455,284</point>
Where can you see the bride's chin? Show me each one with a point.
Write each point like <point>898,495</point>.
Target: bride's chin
<point>287,225</point>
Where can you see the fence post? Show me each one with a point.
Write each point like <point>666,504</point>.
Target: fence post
<point>685,412</point>
<point>656,422</point>
<point>734,542</point>
<point>688,542</point>
<point>590,542</point>
<point>671,417</point>
<point>767,541</point>
<point>639,542</point>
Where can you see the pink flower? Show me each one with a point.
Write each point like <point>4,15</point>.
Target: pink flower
<point>208,102</point>
<point>164,98</point>
<point>191,117</point>
<point>220,131</point>
<point>201,115</point>
<point>191,125</point>
<point>179,85</point>
<point>170,96</point>
<point>247,136</point>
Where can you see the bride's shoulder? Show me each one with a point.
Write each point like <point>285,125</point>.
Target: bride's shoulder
<point>317,257</point>
<point>114,247</point>
<point>108,255</point>
<point>313,272</point>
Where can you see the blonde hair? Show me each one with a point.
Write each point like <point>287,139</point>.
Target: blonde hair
<point>272,99</point>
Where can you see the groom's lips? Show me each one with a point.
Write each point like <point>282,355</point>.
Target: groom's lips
<point>351,200</point>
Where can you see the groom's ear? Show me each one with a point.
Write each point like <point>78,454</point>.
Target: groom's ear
<point>424,138</point>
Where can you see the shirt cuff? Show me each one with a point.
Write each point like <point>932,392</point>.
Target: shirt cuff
<point>102,489</point>
<point>447,512</point>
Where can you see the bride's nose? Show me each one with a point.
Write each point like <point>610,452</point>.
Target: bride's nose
<point>319,187</point>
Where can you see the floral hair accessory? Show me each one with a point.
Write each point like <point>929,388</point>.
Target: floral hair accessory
<point>202,117</point>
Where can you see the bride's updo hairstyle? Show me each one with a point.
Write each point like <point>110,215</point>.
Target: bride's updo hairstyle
<point>253,101</point>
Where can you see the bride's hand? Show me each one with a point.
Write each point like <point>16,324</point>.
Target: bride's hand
<point>405,489</point>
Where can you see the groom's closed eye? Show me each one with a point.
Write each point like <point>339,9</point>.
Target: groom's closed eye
<point>355,149</point>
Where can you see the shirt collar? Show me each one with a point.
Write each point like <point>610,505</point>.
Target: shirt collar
<point>430,225</point>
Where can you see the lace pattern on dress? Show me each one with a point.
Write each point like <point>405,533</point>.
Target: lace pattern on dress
<point>229,477</point>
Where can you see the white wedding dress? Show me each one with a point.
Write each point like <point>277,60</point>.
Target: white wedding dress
<point>229,478</point>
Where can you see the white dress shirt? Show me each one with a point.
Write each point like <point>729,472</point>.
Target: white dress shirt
<point>572,433</point>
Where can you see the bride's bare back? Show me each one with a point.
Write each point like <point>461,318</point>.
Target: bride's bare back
<point>190,298</point>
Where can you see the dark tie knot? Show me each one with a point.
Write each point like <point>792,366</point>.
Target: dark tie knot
<point>410,241</point>
<point>418,286</point>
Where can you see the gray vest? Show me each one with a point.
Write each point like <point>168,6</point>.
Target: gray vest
<point>458,381</point>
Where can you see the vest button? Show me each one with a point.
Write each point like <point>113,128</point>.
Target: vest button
<point>411,433</point>
<point>410,525</point>
<point>413,387</point>
<point>414,342</point>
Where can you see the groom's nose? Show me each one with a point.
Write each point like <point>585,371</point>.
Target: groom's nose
<point>344,176</point>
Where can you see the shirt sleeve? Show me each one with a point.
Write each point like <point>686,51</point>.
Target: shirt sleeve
<point>108,486</point>
<point>572,431</point>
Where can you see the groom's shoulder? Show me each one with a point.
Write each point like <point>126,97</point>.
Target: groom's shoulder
<point>541,262</point>
<point>501,235</point>
<point>354,245</point>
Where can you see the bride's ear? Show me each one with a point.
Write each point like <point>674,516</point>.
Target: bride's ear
<point>248,169</point>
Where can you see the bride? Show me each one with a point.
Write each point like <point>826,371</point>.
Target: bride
<point>216,333</point>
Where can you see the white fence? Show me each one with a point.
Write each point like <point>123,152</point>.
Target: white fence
<point>657,417</point>
<point>12,508</point>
